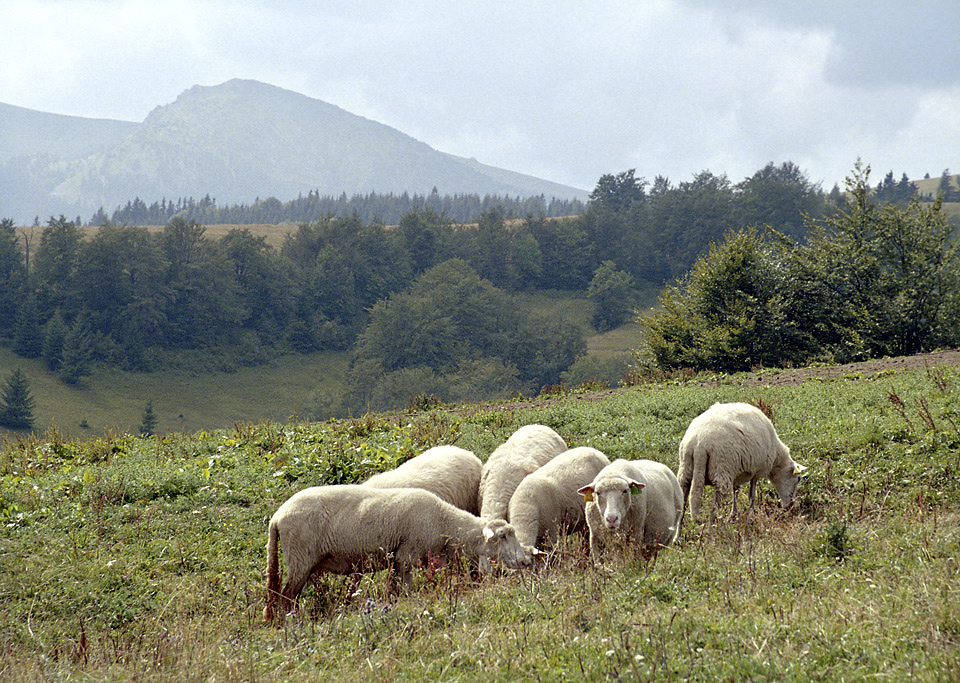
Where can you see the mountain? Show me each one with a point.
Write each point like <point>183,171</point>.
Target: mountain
<point>234,142</point>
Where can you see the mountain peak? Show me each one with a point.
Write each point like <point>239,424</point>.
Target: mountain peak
<point>244,139</point>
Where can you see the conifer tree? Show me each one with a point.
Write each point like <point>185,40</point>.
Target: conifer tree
<point>148,421</point>
<point>16,403</point>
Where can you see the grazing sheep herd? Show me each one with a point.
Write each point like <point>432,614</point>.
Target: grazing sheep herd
<point>531,491</point>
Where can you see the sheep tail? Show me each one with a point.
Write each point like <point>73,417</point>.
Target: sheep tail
<point>273,572</point>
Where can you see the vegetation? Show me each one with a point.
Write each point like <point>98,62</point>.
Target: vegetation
<point>870,280</point>
<point>370,208</point>
<point>131,557</point>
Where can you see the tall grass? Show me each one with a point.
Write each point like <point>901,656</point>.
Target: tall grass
<point>128,558</point>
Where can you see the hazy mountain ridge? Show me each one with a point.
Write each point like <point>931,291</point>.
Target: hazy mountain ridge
<point>235,142</point>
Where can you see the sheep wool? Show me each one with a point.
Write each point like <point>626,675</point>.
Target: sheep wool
<point>527,449</point>
<point>636,501</point>
<point>728,445</point>
<point>350,528</point>
<point>546,502</point>
<point>450,472</point>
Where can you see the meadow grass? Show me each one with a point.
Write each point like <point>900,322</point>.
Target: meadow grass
<point>128,558</point>
<point>183,399</point>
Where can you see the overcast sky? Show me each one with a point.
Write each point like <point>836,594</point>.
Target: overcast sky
<point>564,91</point>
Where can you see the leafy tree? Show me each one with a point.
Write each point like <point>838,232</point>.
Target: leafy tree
<point>204,306</point>
<point>494,249</point>
<point>781,197</point>
<point>723,315</point>
<point>618,192</point>
<point>527,259</point>
<point>55,267</point>
<point>16,403</point>
<point>611,292</point>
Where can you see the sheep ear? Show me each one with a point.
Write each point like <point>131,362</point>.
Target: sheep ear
<point>488,533</point>
<point>586,492</point>
<point>798,468</point>
<point>635,487</point>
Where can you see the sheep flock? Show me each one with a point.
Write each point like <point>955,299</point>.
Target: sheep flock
<point>506,513</point>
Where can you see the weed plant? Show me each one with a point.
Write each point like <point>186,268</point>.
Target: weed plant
<point>142,558</point>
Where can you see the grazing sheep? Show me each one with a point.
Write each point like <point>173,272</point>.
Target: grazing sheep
<point>451,472</point>
<point>547,501</point>
<point>728,445</point>
<point>347,529</point>
<point>527,449</point>
<point>637,500</point>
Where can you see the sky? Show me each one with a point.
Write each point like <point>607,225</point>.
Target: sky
<point>566,91</point>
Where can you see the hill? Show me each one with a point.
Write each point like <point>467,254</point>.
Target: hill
<point>234,142</point>
<point>129,558</point>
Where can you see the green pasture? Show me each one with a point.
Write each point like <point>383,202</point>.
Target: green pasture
<point>126,558</point>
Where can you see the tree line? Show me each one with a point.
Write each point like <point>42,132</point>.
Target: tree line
<point>429,306</point>
<point>872,279</point>
<point>373,207</point>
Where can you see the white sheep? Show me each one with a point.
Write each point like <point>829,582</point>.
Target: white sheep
<point>728,445</point>
<point>546,502</point>
<point>349,528</point>
<point>527,449</point>
<point>451,472</point>
<point>638,501</point>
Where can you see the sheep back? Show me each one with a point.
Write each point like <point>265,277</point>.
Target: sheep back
<point>345,529</point>
<point>547,500</point>
<point>527,449</point>
<point>450,472</point>
<point>728,445</point>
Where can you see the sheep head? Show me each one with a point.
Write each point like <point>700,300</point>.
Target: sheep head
<point>612,495</point>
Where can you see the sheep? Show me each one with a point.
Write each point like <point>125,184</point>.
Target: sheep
<point>350,528</point>
<point>728,445</point>
<point>636,500</point>
<point>547,502</point>
<point>451,472</point>
<point>527,449</point>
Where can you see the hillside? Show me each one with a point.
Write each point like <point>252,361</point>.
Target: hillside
<point>130,558</point>
<point>235,142</point>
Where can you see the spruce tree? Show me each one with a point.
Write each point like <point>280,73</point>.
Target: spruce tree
<point>54,333</point>
<point>16,403</point>
<point>77,351</point>
<point>148,422</point>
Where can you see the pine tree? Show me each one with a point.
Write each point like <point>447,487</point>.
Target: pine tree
<point>54,333</point>
<point>16,403</point>
<point>77,350</point>
<point>27,330</point>
<point>148,422</point>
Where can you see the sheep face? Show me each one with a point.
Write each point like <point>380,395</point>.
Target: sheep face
<point>612,497</point>
<point>785,480</point>
<point>500,545</point>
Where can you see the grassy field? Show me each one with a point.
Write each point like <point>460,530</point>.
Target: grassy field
<point>185,400</point>
<point>125,558</point>
<point>112,399</point>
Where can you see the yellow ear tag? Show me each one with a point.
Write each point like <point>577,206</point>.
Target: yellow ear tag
<point>587,497</point>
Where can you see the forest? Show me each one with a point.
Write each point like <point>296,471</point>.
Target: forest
<point>768,271</point>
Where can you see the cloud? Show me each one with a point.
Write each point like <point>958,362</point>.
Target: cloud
<point>566,92</point>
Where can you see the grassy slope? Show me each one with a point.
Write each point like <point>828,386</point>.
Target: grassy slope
<point>114,399</point>
<point>125,558</point>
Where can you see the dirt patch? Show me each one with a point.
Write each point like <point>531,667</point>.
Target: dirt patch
<point>794,376</point>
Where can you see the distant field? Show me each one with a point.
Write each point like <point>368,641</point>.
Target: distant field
<point>113,399</point>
